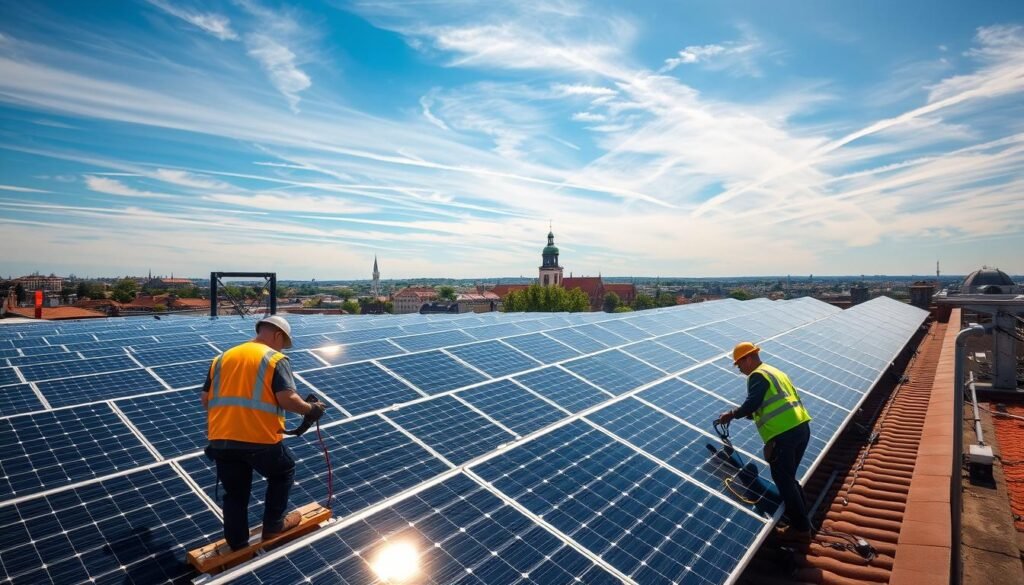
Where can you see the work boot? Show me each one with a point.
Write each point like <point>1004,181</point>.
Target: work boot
<point>291,520</point>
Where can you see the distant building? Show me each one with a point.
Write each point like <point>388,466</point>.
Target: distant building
<point>375,283</point>
<point>410,299</point>
<point>550,271</point>
<point>478,302</point>
<point>989,281</point>
<point>39,282</point>
<point>550,274</point>
<point>169,284</point>
<point>921,293</point>
<point>859,294</point>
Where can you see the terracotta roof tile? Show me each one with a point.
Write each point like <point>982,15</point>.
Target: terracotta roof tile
<point>54,313</point>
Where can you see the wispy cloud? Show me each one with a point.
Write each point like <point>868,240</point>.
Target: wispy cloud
<point>114,187</point>
<point>185,179</point>
<point>22,189</point>
<point>735,56</point>
<point>217,25</point>
<point>279,63</point>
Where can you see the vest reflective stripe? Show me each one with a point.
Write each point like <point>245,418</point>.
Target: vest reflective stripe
<point>255,399</point>
<point>781,409</point>
<point>242,405</point>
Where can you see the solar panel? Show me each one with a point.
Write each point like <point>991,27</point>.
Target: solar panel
<point>50,449</point>
<point>432,371</point>
<point>494,358</point>
<point>360,388</point>
<point>451,428</point>
<point>521,447</point>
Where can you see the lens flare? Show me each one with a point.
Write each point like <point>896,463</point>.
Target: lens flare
<point>396,562</point>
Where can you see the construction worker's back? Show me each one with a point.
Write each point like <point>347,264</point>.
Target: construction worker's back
<point>242,404</point>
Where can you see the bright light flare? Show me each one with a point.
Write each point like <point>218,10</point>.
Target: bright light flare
<point>397,562</point>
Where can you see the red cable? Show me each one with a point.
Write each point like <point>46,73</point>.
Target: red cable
<point>330,472</point>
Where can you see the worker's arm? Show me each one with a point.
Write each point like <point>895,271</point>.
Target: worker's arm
<point>284,389</point>
<point>757,386</point>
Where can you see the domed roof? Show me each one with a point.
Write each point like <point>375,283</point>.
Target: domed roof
<point>551,248</point>
<point>988,276</point>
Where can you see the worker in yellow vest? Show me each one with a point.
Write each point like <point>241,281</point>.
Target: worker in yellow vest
<point>247,390</point>
<point>783,423</point>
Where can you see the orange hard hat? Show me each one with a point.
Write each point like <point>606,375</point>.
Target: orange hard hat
<point>742,350</point>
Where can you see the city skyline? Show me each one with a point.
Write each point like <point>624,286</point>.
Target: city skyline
<point>713,141</point>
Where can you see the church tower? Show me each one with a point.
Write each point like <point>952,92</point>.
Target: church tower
<point>375,285</point>
<point>550,271</point>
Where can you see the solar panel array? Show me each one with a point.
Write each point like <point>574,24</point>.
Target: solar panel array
<point>534,448</point>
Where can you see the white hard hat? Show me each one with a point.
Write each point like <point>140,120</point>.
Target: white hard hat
<point>281,324</point>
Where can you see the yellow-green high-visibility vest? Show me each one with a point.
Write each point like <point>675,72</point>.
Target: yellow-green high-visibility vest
<point>781,409</point>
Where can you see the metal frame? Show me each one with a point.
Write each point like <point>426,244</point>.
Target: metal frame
<point>216,283</point>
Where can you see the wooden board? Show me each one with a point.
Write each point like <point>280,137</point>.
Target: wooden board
<point>217,556</point>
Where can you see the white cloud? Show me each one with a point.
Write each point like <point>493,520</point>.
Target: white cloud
<point>588,117</point>
<point>563,89</point>
<point>22,189</point>
<point>735,56</point>
<point>278,61</point>
<point>185,179</point>
<point>292,203</point>
<point>217,25</point>
<point>115,187</point>
<point>426,102</point>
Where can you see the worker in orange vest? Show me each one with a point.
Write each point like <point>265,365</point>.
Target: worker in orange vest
<point>247,390</point>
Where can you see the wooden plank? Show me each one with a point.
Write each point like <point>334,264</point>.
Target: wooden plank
<point>217,556</point>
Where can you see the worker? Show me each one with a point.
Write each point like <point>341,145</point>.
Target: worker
<point>247,390</point>
<point>784,426</point>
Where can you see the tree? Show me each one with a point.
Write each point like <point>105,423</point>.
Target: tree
<point>19,291</point>
<point>82,290</point>
<point>611,302</point>
<point>578,301</point>
<point>446,293</point>
<point>643,302</point>
<point>740,295</point>
<point>623,309</point>
<point>346,293</point>
<point>665,299</point>
<point>159,308</point>
<point>65,294</point>
<point>351,307</point>
<point>124,290</point>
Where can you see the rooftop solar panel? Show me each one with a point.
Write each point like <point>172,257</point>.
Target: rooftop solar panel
<point>49,449</point>
<point>68,391</point>
<point>9,376</point>
<point>451,428</point>
<point>598,464</point>
<point>360,388</point>
<point>432,371</point>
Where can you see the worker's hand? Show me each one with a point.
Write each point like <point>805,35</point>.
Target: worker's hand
<point>726,417</point>
<point>316,410</point>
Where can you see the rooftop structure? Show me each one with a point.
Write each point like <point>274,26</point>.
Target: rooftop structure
<point>480,422</point>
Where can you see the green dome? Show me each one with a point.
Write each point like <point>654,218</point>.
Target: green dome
<point>549,250</point>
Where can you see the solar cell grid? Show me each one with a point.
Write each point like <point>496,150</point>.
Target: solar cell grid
<point>541,348</point>
<point>183,375</point>
<point>660,356</point>
<point>175,354</point>
<point>496,330</point>
<point>372,460</point>
<point>644,520</point>
<point>432,371</point>
<point>361,387</point>
<point>689,345</point>
<point>614,371</point>
<point>601,334</point>
<point>344,354</point>
<point>303,360</point>
<point>130,529</point>
<point>462,533</point>
<point>81,389</point>
<point>174,422</point>
<point>18,398</point>
<point>494,358</point>
<point>44,350</point>
<point>513,406</point>
<point>32,360</point>
<point>9,376</point>
<point>576,340</point>
<point>45,450</point>
<point>432,340</point>
<point>719,381</point>
<point>562,388</point>
<point>451,428</point>
<point>65,369</point>
<point>624,329</point>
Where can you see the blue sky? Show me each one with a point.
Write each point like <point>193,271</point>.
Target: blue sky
<point>660,138</point>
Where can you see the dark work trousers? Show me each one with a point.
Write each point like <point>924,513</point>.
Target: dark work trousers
<point>783,454</point>
<point>234,471</point>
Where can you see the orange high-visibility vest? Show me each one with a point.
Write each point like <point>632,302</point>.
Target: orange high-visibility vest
<point>242,405</point>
